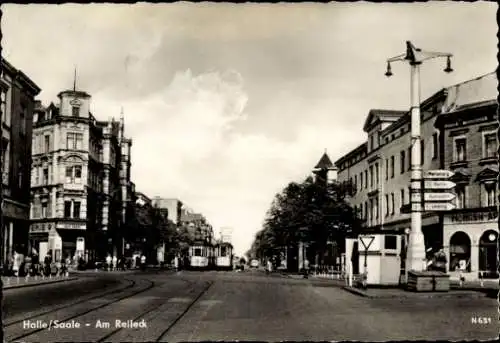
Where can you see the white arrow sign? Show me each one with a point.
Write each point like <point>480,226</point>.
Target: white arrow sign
<point>439,206</point>
<point>439,196</point>
<point>439,184</point>
<point>438,174</point>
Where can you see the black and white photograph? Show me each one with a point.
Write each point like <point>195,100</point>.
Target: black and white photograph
<point>229,171</point>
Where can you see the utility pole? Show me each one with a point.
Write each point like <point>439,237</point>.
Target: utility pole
<point>415,57</point>
<point>1,195</point>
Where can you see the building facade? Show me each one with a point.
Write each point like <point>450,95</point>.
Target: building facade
<point>80,183</point>
<point>380,169</point>
<point>468,131</point>
<point>18,94</point>
<point>173,208</point>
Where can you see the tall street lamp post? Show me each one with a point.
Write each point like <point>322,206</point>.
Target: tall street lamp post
<point>415,56</point>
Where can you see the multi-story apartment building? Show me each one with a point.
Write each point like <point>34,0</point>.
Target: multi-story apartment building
<point>380,169</point>
<point>173,208</point>
<point>468,134</point>
<point>80,184</point>
<point>18,94</point>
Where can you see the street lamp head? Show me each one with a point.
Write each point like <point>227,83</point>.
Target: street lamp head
<point>448,68</point>
<point>388,73</point>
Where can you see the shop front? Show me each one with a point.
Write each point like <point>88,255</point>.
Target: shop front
<point>471,244</point>
<point>15,229</point>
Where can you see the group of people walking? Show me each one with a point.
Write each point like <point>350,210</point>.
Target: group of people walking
<point>113,263</point>
<point>30,265</point>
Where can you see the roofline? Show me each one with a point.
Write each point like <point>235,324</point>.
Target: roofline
<point>473,79</point>
<point>18,74</point>
<point>350,153</point>
<point>79,93</point>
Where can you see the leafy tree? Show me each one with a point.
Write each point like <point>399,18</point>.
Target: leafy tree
<point>312,212</point>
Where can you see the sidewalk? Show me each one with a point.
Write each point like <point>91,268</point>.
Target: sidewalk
<point>18,282</point>
<point>386,293</point>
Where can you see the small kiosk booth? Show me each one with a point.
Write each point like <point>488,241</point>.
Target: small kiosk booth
<point>377,256</point>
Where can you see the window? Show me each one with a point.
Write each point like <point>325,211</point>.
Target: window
<point>409,195</point>
<point>75,111</point>
<point>223,251</point>
<point>460,197</point>
<point>366,209</point>
<point>371,176</point>
<point>402,131</point>
<point>366,178</point>
<point>409,158</point>
<point>44,209</point>
<point>402,162</point>
<point>386,205</point>
<point>402,196</point>
<point>390,242</point>
<point>22,120</point>
<point>67,209</point>
<point>5,161</point>
<point>76,209</point>
<point>392,166</point>
<point>70,141</point>
<point>376,174</point>
<point>78,174</point>
<point>69,174</point>
<point>45,177</point>
<point>392,203</point>
<point>371,143</point>
<point>79,141</point>
<point>376,208</point>
<point>435,145</point>
<point>46,143</point>
<point>460,149</point>
<point>20,177</point>
<point>422,151</point>
<point>491,196</point>
<point>37,176</point>
<point>387,169</point>
<point>355,182</point>
<point>197,252</point>
<point>490,145</point>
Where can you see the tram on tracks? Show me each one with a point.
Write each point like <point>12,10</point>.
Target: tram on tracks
<point>205,256</point>
<point>224,256</point>
<point>200,256</point>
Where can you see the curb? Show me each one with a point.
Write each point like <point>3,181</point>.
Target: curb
<point>39,283</point>
<point>413,295</point>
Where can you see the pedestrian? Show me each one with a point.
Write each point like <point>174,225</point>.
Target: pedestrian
<point>16,264</point>
<point>108,262</point>
<point>114,261</point>
<point>269,266</point>
<point>143,262</point>
<point>306,268</point>
<point>176,263</point>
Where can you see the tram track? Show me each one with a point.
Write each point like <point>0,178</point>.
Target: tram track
<point>110,335</point>
<point>150,285</point>
<point>188,308</point>
<point>130,283</point>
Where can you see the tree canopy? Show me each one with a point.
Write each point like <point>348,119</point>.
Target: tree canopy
<point>309,211</point>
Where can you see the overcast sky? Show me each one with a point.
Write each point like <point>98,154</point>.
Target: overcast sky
<point>228,103</point>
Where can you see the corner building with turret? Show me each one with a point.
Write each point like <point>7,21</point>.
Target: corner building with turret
<point>80,182</point>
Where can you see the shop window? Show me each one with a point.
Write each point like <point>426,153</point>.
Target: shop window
<point>460,252</point>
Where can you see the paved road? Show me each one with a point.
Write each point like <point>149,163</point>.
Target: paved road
<point>195,306</point>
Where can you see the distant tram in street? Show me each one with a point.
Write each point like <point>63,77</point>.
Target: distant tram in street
<point>205,256</point>
<point>200,256</point>
<point>224,256</point>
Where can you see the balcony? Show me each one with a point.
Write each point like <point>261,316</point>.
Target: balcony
<point>473,215</point>
<point>459,164</point>
<point>488,160</point>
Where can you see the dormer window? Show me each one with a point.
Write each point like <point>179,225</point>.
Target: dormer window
<point>75,111</point>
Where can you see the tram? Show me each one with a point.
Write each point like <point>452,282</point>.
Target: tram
<point>223,256</point>
<point>200,256</point>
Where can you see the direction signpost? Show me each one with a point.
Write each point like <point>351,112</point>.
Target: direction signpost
<point>436,190</point>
